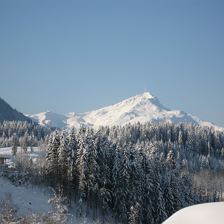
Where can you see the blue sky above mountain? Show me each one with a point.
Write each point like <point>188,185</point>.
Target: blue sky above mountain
<point>80,55</point>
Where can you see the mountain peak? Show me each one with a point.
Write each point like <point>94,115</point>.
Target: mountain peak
<point>144,96</point>
<point>147,95</point>
<point>141,108</point>
<point>140,98</point>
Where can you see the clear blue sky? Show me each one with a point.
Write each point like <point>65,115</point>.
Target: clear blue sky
<point>81,55</point>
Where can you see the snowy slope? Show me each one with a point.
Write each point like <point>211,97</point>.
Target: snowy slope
<point>49,118</point>
<point>141,108</point>
<point>32,199</point>
<point>210,213</point>
<point>25,199</point>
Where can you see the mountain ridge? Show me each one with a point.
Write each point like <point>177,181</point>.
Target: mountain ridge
<point>7,113</point>
<point>141,108</point>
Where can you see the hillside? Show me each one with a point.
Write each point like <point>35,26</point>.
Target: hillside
<point>7,113</point>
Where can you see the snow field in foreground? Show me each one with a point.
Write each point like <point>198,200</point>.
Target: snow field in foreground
<point>209,213</point>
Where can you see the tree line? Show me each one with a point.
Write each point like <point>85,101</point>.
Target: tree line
<point>140,173</point>
<point>22,133</point>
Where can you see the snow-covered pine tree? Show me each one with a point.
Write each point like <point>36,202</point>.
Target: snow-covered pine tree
<point>81,163</point>
<point>52,168</point>
<point>14,144</point>
<point>72,151</point>
<point>72,169</point>
<point>24,142</point>
<point>135,177</point>
<point>133,215</point>
<point>63,163</point>
<point>103,175</point>
<point>120,181</point>
<point>91,169</point>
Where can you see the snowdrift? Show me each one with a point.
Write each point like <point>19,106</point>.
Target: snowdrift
<point>210,213</point>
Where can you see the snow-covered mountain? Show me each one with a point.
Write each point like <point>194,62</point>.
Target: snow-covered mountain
<point>141,108</point>
<point>49,118</point>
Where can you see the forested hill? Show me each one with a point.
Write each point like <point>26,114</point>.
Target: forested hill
<point>7,113</point>
<point>140,173</point>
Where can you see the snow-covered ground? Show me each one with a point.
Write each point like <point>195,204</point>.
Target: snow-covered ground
<point>209,213</point>
<point>26,199</point>
<point>29,199</point>
<point>34,154</point>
